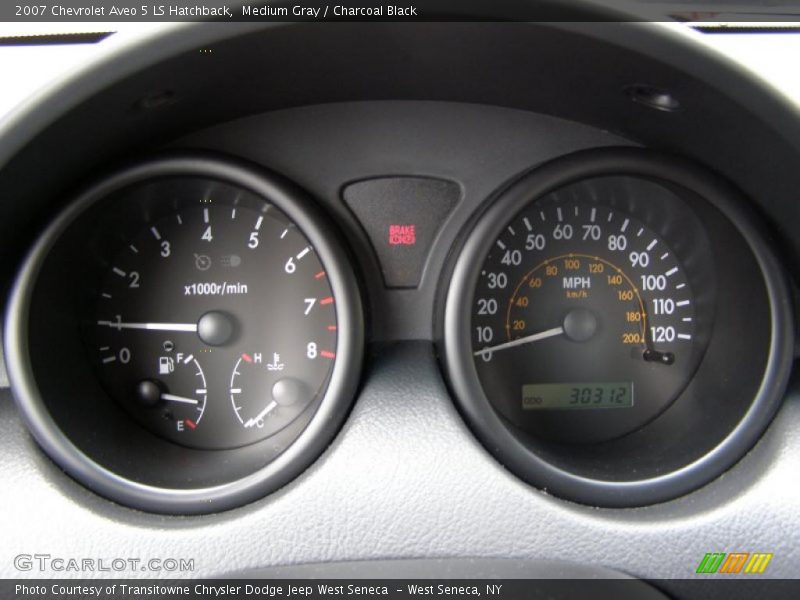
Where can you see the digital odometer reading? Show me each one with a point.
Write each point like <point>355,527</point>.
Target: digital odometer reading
<point>577,395</point>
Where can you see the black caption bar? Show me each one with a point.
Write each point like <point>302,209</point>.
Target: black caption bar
<point>398,10</point>
<point>398,589</point>
<point>304,10</point>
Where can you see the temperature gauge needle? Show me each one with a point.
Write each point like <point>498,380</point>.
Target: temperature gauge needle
<point>542,335</point>
<point>261,415</point>
<point>191,327</point>
<point>174,398</point>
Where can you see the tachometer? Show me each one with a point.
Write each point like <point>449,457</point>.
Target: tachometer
<point>223,276</point>
<point>187,335</point>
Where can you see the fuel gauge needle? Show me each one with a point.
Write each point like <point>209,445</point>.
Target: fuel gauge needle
<point>542,335</point>
<point>191,327</point>
<point>174,398</point>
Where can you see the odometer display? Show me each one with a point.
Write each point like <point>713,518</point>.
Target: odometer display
<point>578,288</point>
<point>573,396</point>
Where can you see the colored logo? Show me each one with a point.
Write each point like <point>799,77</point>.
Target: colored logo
<point>734,563</point>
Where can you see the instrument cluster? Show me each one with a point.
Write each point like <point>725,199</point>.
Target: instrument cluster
<point>188,333</point>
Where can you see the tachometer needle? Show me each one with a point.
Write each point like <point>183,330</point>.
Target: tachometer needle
<point>542,335</point>
<point>191,327</point>
<point>174,398</point>
<point>261,415</point>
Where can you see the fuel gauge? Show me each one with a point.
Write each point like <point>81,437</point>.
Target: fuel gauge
<point>175,398</point>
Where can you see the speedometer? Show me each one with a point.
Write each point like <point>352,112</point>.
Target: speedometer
<point>615,329</point>
<point>583,307</point>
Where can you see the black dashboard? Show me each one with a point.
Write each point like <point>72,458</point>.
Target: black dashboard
<point>301,294</point>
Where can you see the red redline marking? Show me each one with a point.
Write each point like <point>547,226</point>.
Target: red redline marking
<point>331,327</point>
<point>247,357</point>
<point>327,354</point>
<point>190,423</point>
<point>328,300</point>
<point>319,275</point>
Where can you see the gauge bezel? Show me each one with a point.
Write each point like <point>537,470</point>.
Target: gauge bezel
<point>330,411</point>
<point>508,445</point>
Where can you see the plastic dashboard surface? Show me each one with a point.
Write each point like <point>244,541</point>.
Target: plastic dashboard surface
<point>357,503</point>
<point>405,477</point>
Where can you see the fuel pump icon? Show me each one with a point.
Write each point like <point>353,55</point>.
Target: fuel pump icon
<point>166,365</point>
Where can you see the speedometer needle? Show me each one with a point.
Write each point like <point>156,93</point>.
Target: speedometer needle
<point>542,335</point>
<point>192,327</point>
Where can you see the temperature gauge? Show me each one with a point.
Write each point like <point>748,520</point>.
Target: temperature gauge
<point>264,394</point>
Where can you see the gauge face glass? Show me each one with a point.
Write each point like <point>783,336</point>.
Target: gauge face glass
<point>214,322</point>
<point>585,322</point>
